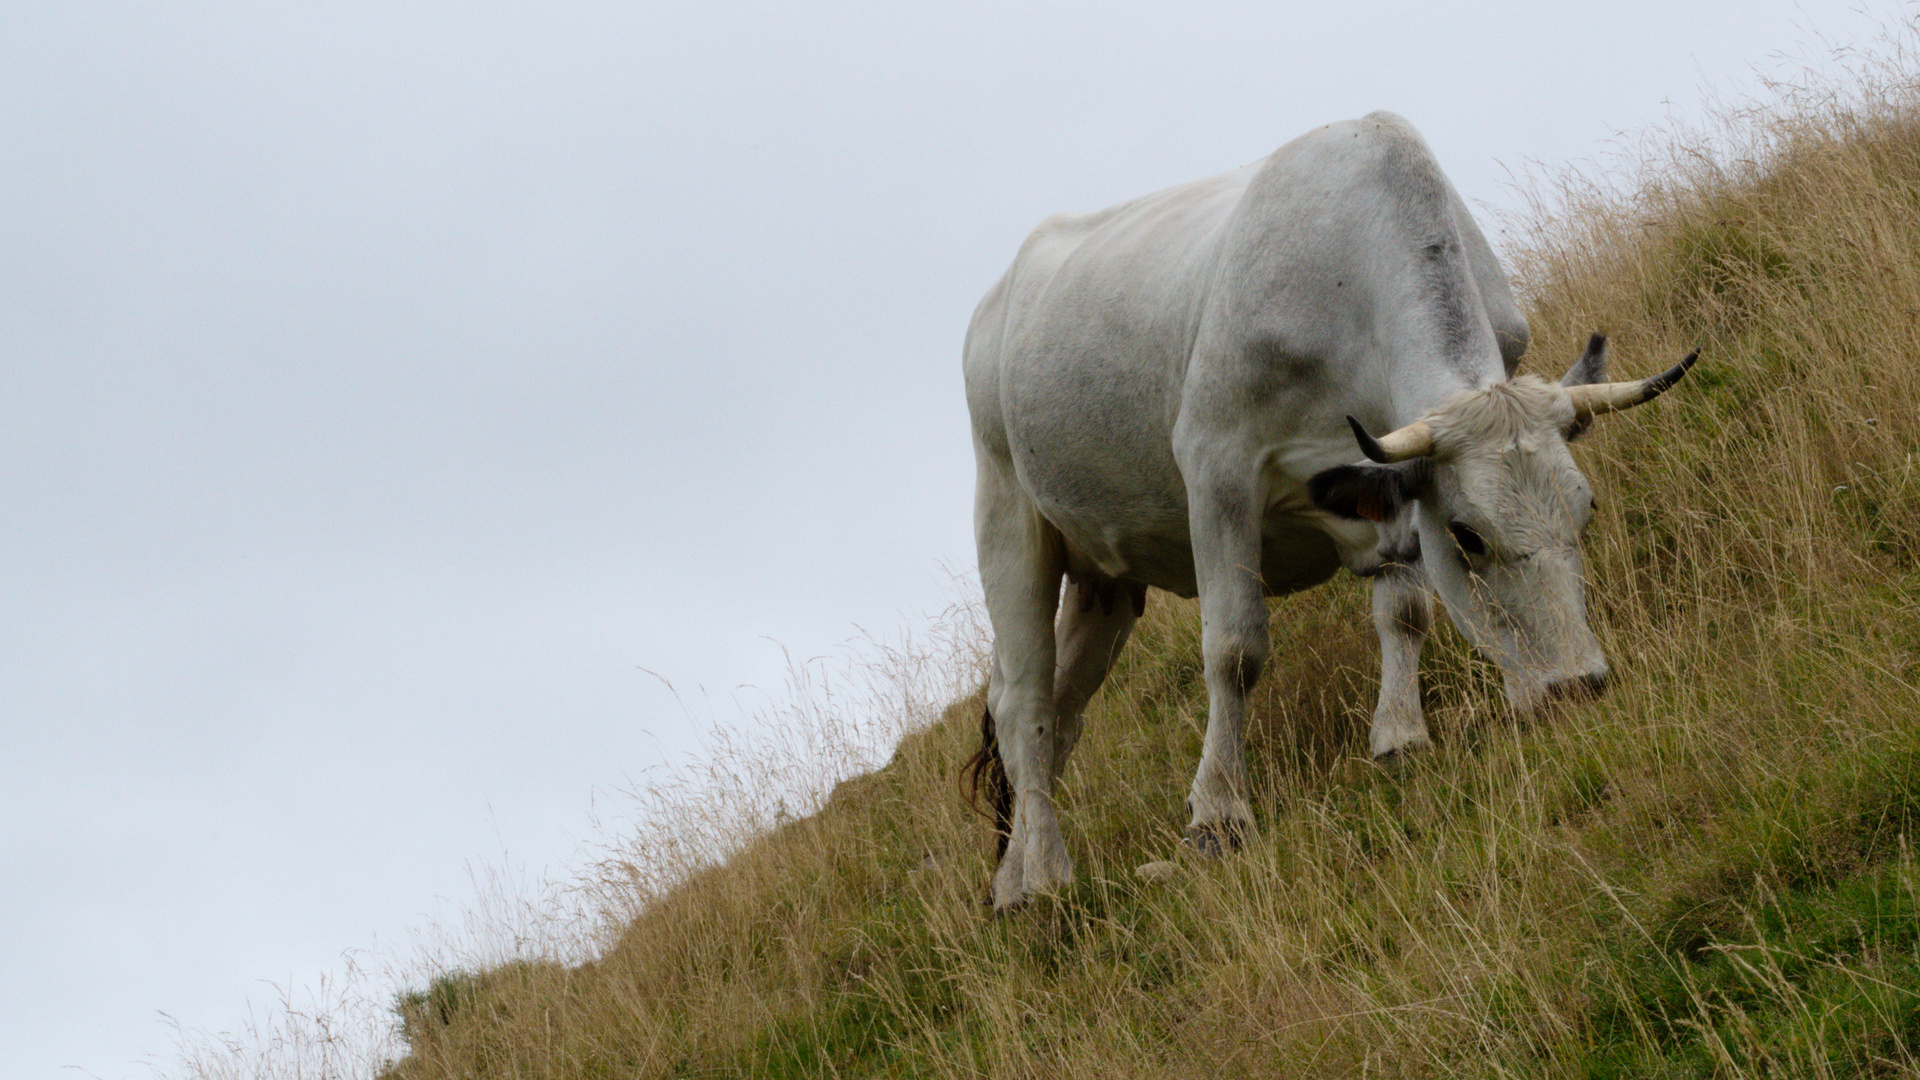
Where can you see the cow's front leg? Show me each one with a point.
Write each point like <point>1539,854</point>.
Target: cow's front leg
<point>1233,621</point>
<point>1402,612</point>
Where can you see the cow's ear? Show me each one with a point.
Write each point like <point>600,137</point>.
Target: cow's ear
<point>1590,368</point>
<point>1592,365</point>
<point>1374,492</point>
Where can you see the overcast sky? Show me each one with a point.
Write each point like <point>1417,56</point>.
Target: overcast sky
<point>386,388</point>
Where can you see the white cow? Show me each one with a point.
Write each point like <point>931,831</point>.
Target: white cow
<point>1168,393</point>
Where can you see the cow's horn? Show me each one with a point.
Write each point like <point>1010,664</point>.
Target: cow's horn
<point>1414,440</point>
<point>1597,398</point>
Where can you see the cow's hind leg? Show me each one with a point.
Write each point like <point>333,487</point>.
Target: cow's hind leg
<point>1402,612</point>
<point>1021,563</point>
<point>1096,616</point>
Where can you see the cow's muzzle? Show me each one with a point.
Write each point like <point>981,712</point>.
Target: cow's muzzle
<point>1578,688</point>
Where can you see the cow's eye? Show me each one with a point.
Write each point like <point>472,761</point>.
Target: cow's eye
<point>1468,540</point>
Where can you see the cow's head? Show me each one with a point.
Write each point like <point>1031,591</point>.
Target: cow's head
<point>1487,483</point>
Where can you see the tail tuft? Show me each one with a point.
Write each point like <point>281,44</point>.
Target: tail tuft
<point>985,767</point>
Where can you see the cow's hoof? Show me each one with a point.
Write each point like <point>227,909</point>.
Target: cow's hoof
<point>1216,838</point>
<point>1399,749</point>
<point>1007,892</point>
<point>1014,891</point>
<point>1008,906</point>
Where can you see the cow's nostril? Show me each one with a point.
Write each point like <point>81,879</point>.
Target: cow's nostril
<point>1590,685</point>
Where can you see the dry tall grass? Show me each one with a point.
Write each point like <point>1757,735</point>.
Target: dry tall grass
<point>1706,873</point>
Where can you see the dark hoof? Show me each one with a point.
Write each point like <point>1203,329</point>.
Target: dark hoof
<point>1401,756</point>
<point>1215,839</point>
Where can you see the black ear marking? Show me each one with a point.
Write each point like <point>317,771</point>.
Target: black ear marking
<point>1590,368</point>
<point>1374,493</point>
<point>1592,365</point>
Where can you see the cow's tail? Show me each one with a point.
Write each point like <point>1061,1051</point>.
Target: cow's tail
<point>985,768</point>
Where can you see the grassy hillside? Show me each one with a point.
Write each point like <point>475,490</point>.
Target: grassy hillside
<point>1709,872</point>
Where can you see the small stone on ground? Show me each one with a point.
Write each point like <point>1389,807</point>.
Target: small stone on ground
<point>1156,871</point>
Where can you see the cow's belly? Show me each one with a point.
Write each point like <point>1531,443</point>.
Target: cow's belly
<point>1145,541</point>
<point>1295,553</point>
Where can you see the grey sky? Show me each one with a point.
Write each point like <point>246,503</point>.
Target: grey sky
<point>383,386</point>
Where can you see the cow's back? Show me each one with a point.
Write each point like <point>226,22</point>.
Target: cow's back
<point>1353,268</point>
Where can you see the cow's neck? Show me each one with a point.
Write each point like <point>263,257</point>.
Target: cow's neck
<point>1417,388</point>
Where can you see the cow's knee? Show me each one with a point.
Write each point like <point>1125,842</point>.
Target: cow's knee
<point>1412,616</point>
<point>1236,665</point>
<point>1402,613</point>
